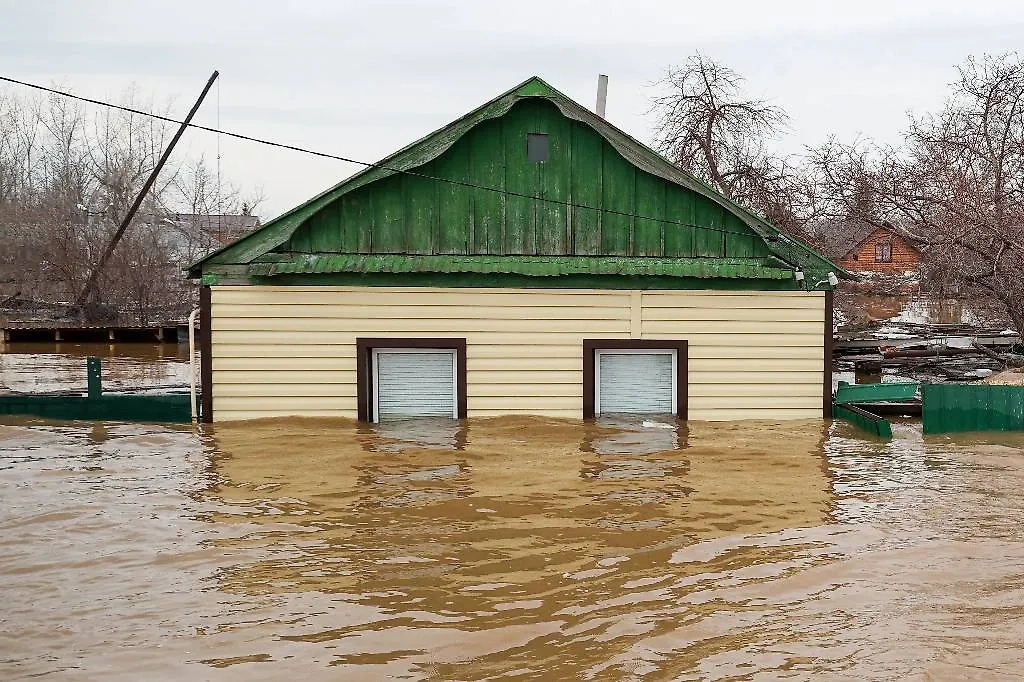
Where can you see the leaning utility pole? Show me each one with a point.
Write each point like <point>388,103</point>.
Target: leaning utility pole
<point>90,284</point>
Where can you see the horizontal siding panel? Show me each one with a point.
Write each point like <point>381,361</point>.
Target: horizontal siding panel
<point>689,327</point>
<point>328,391</point>
<point>295,339</point>
<point>239,415</point>
<point>760,315</point>
<point>271,375</point>
<point>749,341</point>
<point>742,367</point>
<point>524,374</point>
<point>733,299</point>
<point>756,402</point>
<point>754,353</point>
<point>476,363</point>
<point>758,378</point>
<point>286,405</point>
<point>534,392</point>
<point>476,349</point>
<point>517,405</point>
<point>752,390</point>
<point>767,414</point>
<point>288,296</point>
<point>226,349</point>
<point>571,413</point>
<point>373,325</point>
<point>485,348</point>
<point>358,310</point>
<point>246,362</point>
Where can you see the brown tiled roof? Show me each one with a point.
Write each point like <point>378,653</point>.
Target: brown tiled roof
<point>840,237</point>
<point>218,223</point>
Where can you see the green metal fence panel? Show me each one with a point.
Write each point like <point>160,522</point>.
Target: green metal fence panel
<point>96,405</point>
<point>873,424</point>
<point>867,393</point>
<point>169,408</point>
<point>949,408</point>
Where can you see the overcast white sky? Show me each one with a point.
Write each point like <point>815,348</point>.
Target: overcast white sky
<point>361,79</point>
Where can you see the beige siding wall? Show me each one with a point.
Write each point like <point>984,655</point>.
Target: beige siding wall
<point>291,350</point>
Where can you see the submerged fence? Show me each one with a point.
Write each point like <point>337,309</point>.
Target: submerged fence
<point>971,407</point>
<point>97,405</point>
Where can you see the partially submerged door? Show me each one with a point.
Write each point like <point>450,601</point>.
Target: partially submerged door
<point>414,382</point>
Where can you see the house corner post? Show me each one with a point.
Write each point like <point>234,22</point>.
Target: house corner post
<point>826,384</point>
<point>206,353</point>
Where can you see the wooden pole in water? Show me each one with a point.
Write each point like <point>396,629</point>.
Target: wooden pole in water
<point>90,284</point>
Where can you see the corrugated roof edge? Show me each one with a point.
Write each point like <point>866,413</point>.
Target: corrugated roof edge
<point>277,231</point>
<point>539,266</point>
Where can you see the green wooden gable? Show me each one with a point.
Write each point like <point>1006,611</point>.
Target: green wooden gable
<point>591,206</point>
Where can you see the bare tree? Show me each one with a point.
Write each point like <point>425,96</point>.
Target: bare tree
<point>198,189</point>
<point>710,128</point>
<point>67,178</point>
<point>846,179</point>
<point>958,184</point>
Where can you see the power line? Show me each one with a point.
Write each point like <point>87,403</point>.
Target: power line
<point>367,164</point>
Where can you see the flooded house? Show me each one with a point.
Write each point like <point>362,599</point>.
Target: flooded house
<point>527,258</point>
<point>860,246</point>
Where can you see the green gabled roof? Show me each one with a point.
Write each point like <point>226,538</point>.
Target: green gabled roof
<point>536,266</point>
<point>277,231</point>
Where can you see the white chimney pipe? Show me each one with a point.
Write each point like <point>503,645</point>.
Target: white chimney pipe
<point>602,95</point>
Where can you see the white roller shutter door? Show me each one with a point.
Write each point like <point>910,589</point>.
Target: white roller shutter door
<point>414,383</point>
<point>635,382</point>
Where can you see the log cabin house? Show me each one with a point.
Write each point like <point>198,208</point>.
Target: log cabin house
<point>863,247</point>
<point>528,258</point>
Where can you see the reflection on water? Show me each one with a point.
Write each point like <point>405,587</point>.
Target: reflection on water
<point>899,310</point>
<point>396,436</point>
<point>937,311</point>
<point>624,436</point>
<point>513,548</point>
<point>52,367</point>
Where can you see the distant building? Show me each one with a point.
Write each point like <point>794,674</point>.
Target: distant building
<point>864,247</point>
<point>219,230</point>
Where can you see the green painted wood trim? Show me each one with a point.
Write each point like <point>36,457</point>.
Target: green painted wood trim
<point>512,281</point>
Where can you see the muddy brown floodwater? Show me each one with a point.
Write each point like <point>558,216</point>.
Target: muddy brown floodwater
<point>51,367</point>
<point>508,549</point>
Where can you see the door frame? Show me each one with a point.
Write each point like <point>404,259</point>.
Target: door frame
<point>590,346</point>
